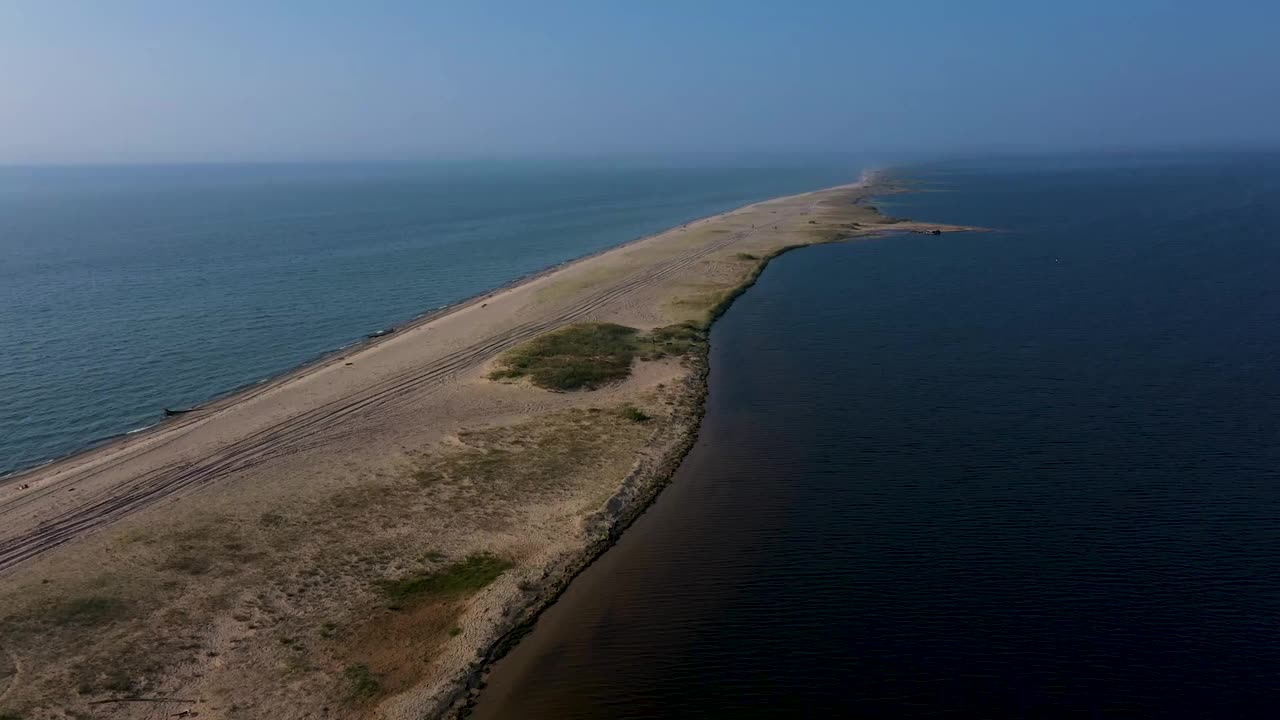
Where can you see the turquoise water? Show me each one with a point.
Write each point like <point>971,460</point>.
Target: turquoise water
<point>127,290</point>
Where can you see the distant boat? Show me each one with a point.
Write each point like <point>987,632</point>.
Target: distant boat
<point>381,333</point>
<point>170,412</point>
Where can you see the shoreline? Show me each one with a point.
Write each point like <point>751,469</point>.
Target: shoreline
<point>416,400</point>
<point>635,498</point>
<point>222,399</point>
<point>638,493</point>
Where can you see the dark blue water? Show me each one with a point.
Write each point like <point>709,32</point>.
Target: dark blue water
<point>1027,473</point>
<point>127,290</point>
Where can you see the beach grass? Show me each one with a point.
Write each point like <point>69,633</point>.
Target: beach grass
<point>87,611</point>
<point>634,414</point>
<point>576,357</point>
<point>360,682</point>
<point>677,339</point>
<point>459,578</point>
<point>587,356</point>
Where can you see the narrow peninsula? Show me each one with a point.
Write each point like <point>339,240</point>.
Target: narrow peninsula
<point>358,538</point>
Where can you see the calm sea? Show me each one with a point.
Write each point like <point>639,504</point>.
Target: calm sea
<point>1027,473</point>
<point>127,290</point>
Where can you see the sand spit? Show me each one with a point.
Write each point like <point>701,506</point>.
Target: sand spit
<point>360,537</point>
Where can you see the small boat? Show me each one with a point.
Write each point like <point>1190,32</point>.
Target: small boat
<point>170,412</point>
<point>380,333</point>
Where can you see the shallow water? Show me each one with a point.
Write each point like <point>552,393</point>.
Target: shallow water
<point>127,290</point>
<point>1013,474</point>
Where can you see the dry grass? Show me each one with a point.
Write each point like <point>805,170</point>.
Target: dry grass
<point>508,462</point>
<point>581,282</point>
<point>353,618</point>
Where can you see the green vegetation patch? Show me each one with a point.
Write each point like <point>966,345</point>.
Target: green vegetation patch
<point>634,414</point>
<point>676,339</point>
<point>576,357</point>
<point>88,611</point>
<point>459,578</point>
<point>361,684</point>
<point>589,355</point>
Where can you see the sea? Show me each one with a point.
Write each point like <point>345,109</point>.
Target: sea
<point>128,290</point>
<point>1030,472</point>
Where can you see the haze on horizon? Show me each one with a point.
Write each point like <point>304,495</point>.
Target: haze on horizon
<point>150,81</point>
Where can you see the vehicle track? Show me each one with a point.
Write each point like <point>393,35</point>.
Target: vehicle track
<point>306,430</point>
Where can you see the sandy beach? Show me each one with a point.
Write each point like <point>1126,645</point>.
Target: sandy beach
<point>241,560</point>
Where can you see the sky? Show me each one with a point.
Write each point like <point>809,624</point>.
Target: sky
<point>136,81</point>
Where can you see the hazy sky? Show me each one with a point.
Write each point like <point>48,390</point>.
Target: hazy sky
<point>133,81</point>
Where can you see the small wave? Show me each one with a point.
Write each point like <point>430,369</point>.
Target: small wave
<point>28,468</point>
